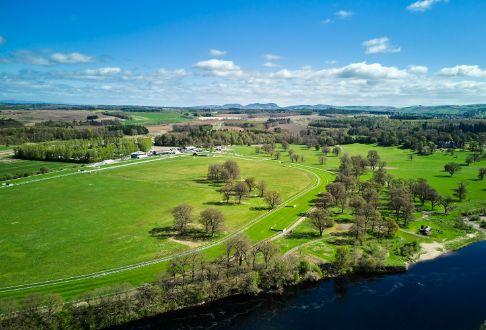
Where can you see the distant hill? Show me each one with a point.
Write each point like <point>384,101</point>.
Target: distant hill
<point>470,110</point>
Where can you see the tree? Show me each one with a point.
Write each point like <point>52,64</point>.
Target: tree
<point>262,187</point>
<point>214,172</point>
<point>446,202</point>
<point>268,250</point>
<point>359,227</point>
<point>233,169</point>
<point>469,159</point>
<point>452,168</point>
<point>461,191</point>
<point>320,219</point>
<point>273,198</point>
<point>400,202</point>
<point>241,190</point>
<point>237,247</point>
<point>227,191</point>
<point>342,260</point>
<point>336,150</point>
<point>373,158</point>
<point>325,200</point>
<point>325,150</point>
<point>212,219</point>
<point>481,173</point>
<point>182,217</point>
<point>411,157</point>
<point>390,227</point>
<point>322,160</point>
<point>423,190</point>
<point>251,182</point>
<point>338,191</point>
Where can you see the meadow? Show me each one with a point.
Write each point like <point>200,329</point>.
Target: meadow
<point>156,118</point>
<point>103,220</point>
<point>10,166</point>
<point>90,222</point>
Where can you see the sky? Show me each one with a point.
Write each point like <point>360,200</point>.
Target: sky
<point>183,53</point>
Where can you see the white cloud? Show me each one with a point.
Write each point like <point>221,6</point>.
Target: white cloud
<point>331,62</point>
<point>219,68</point>
<point>2,40</point>
<point>344,13</point>
<point>354,83</point>
<point>417,69</point>
<point>28,57</point>
<point>70,58</point>
<point>380,45</point>
<point>106,71</point>
<point>270,65</point>
<point>463,71</point>
<point>423,5</point>
<point>326,21</point>
<point>272,57</point>
<point>372,71</point>
<point>217,52</point>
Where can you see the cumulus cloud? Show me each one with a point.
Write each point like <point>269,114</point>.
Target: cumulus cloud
<point>417,69</point>
<point>2,40</point>
<point>270,65</point>
<point>463,71</point>
<point>219,68</point>
<point>423,5</point>
<point>70,58</point>
<point>326,21</point>
<point>225,82</point>
<point>380,45</point>
<point>217,52</point>
<point>372,71</point>
<point>272,57</point>
<point>344,13</point>
<point>45,58</point>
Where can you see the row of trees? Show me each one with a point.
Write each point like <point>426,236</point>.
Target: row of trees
<point>51,131</point>
<point>82,151</point>
<point>190,280</point>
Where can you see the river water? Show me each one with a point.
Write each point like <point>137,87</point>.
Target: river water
<point>446,293</point>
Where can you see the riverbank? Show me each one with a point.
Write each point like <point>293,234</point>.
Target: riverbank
<point>443,290</point>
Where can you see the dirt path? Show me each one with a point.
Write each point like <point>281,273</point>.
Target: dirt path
<point>190,244</point>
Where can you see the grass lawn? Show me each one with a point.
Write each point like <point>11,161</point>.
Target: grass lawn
<point>110,213</point>
<point>156,118</point>
<point>10,166</point>
<point>90,222</point>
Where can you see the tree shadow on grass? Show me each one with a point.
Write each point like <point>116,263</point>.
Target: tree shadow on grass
<point>208,182</point>
<point>307,234</point>
<point>191,234</point>
<point>442,176</point>
<point>260,208</point>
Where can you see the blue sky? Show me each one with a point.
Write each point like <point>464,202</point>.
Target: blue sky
<point>399,52</point>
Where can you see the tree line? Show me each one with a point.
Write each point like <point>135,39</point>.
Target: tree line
<point>51,131</point>
<point>82,151</point>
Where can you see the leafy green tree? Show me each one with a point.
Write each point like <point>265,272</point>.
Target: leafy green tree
<point>452,168</point>
<point>461,191</point>
<point>321,220</point>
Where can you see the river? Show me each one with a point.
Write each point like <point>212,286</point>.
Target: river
<point>446,293</point>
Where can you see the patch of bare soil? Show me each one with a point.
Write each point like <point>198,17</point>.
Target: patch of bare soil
<point>431,250</point>
<point>190,244</point>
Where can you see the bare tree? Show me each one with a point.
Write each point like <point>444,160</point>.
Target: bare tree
<point>262,187</point>
<point>212,219</point>
<point>241,190</point>
<point>273,198</point>
<point>182,217</point>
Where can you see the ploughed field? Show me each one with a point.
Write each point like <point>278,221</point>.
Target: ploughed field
<point>90,222</point>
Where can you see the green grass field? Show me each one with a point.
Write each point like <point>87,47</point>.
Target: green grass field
<point>10,166</point>
<point>91,222</point>
<point>156,118</point>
